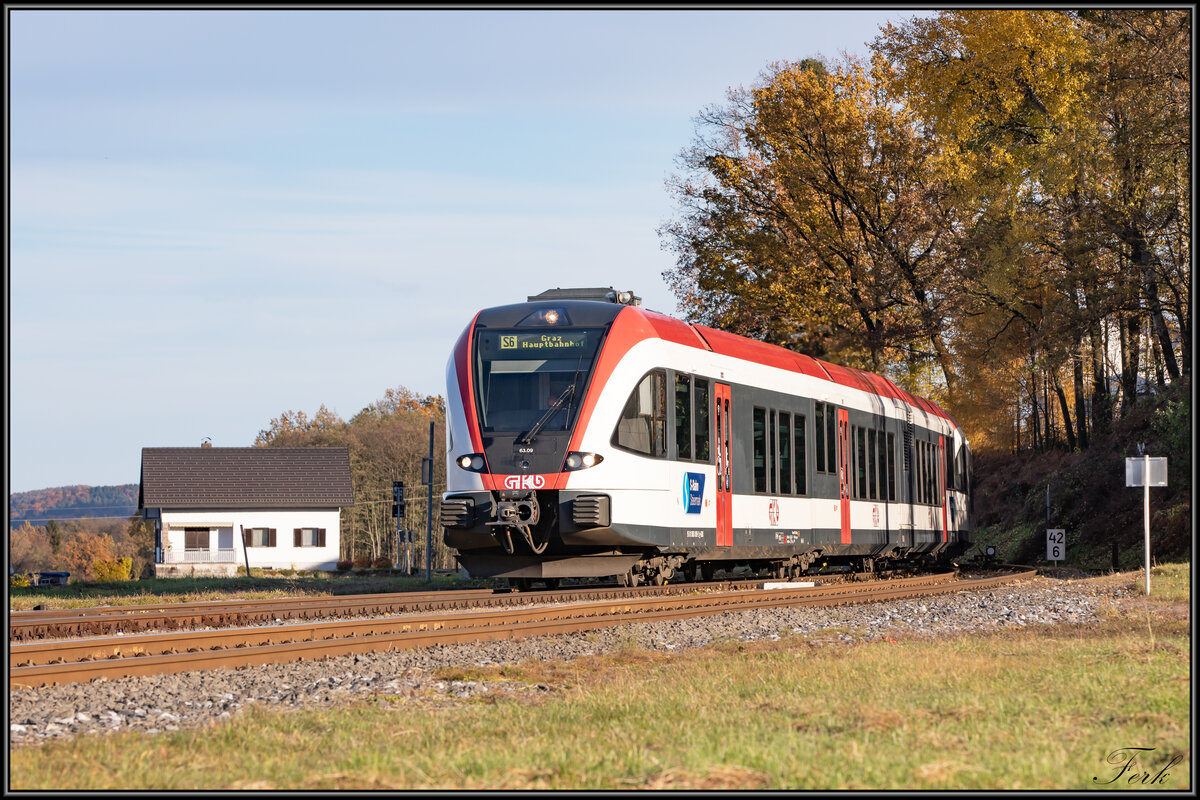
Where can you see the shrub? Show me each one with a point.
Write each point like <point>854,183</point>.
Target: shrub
<point>111,570</point>
<point>382,563</point>
<point>20,581</point>
<point>344,565</point>
<point>362,562</point>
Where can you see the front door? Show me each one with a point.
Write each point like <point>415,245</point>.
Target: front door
<point>724,467</point>
<point>843,460</point>
<point>942,484</point>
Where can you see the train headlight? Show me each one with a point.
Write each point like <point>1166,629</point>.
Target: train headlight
<point>472,462</point>
<point>546,316</point>
<point>581,461</point>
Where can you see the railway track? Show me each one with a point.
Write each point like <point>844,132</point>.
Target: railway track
<point>27,626</point>
<point>84,659</point>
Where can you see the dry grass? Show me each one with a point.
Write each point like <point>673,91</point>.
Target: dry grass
<point>1028,709</point>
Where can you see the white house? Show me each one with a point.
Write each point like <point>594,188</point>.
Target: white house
<point>221,507</point>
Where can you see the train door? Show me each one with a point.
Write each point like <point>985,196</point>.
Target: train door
<point>942,484</point>
<point>724,467</point>
<point>843,457</point>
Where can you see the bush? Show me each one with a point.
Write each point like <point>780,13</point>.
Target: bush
<point>382,563</point>
<point>111,570</point>
<point>20,581</point>
<point>344,565</point>
<point>362,562</point>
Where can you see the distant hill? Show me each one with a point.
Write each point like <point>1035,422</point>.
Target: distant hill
<point>72,502</point>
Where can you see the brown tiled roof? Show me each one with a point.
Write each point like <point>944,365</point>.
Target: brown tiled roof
<point>206,477</point>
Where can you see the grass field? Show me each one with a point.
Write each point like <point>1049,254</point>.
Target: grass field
<point>82,594</point>
<point>1040,708</point>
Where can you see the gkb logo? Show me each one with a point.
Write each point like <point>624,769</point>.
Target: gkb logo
<point>693,492</point>
<point>524,481</point>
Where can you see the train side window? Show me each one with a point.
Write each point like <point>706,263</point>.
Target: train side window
<point>891,466</point>
<point>872,465</point>
<point>801,456</point>
<point>919,470</point>
<point>785,453</point>
<point>772,463</point>
<point>930,474</point>
<point>951,475</point>
<point>683,416</point>
<point>860,445</point>
<point>642,427</point>
<point>831,437</point>
<point>760,449</point>
<point>882,441</point>
<point>820,418</point>
<point>702,437</point>
<point>925,493</point>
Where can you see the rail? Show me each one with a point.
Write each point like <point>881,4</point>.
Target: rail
<point>77,660</point>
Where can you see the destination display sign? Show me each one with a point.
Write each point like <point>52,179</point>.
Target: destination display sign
<point>540,343</point>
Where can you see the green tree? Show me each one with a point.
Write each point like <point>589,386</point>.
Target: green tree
<point>54,534</point>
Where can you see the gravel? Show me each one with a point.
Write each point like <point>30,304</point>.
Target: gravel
<point>158,703</point>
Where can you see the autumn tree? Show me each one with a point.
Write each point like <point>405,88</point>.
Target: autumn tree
<point>387,441</point>
<point>1061,136</point>
<point>28,549</point>
<point>810,218</point>
<point>82,551</point>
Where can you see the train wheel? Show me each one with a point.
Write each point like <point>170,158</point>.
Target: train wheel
<point>658,578</point>
<point>690,572</point>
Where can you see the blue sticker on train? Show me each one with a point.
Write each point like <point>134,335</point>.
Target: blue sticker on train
<point>693,491</point>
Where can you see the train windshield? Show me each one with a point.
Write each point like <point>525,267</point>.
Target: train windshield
<point>531,381</point>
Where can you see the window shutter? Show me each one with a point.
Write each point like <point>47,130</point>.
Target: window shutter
<point>295,537</point>
<point>271,538</point>
<point>246,537</point>
<point>320,537</point>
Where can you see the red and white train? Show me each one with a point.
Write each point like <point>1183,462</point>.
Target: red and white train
<point>591,438</point>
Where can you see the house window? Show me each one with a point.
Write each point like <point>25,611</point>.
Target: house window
<point>309,537</point>
<point>260,537</point>
<point>195,538</point>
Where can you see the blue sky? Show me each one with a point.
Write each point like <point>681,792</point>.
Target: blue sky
<point>219,215</point>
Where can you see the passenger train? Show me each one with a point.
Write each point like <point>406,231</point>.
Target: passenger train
<point>589,437</point>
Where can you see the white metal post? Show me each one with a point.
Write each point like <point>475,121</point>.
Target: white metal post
<point>1146,484</point>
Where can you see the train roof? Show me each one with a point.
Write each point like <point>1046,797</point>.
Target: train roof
<point>735,346</point>
<point>590,312</point>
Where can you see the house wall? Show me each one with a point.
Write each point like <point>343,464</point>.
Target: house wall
<point>225,539</point>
